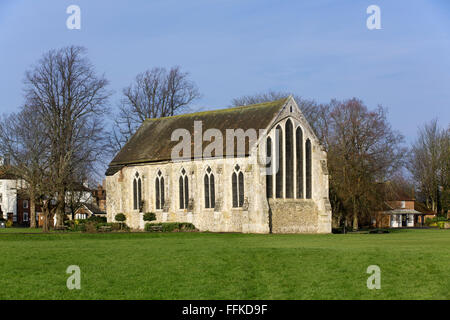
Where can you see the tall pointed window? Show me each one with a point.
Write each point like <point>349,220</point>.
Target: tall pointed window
<point>234,189</point>
<point>137,191</point>
<point>159,190</point>
<point>210,197</point>
<point>279,162</point>
<point>289,132</point>
<point>134,194</point>
<point>299,154</point>
<point>308,169</point>
<point>269,180</point>
<point>241,189</point>
<point>184,190</point>
<point>237,181</point>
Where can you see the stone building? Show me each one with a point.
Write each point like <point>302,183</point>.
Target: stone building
<point>227,180</point>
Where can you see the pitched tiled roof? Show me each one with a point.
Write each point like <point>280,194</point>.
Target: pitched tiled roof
<point>152,142</point>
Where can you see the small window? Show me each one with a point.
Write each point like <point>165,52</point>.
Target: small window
<point>237,180</point>
<point>403,204</point>
<point>209,189</point>
<point>159,191</point>
<point>25,216</point>
<point>25,204</point>
<point>137,192</point>
<point>184,190</point>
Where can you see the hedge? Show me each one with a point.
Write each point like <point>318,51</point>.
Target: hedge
<point>170,226</point>
<point>94,225</point>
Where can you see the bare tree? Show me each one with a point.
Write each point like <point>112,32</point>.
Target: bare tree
<point>429,165</point>
<point>259,98</point>
<point>70,100</point>
<point>363,151</point>
<point>154,93</point>
<point>23,139</point>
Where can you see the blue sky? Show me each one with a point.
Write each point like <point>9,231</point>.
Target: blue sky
<point>319,49</point>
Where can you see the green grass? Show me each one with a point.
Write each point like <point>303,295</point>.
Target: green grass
<point>20,230</point>
<point>415,264</point>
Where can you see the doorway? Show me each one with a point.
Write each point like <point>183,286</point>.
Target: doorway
<point>404,220</point>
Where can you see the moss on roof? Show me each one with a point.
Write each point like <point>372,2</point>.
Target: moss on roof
<point>152,141</point>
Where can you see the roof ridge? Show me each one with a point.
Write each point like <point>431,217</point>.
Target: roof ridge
<point>266,103</point>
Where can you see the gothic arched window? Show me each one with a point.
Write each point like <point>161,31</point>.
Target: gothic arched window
<point>289,136</point>
<point>299,154</point>
<point>308,169</point>
<point>237,181</point>
<point>269,180</point>
<point>134,194</point>
<point>159,190</point>
<point>210,197</point>
<point>241,189</point>
<point>137,191</point>
<point>279,163</point>
<point>184,190</point>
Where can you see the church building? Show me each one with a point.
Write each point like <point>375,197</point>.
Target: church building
<point>251,169</point>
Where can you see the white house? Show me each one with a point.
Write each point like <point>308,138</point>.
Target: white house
<point>8,196</point>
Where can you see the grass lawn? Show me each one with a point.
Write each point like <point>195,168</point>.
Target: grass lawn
<point>20,230</point>
<point>415,264</point>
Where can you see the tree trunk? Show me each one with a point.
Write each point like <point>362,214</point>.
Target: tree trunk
<point>45,227</point>
<point>355,221</point>
<point>60,210</point>
<point>46,213</point>
<point>438,202</point>
<point>355,216</point>
<point>32,210</point>
<point>345,225</point>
